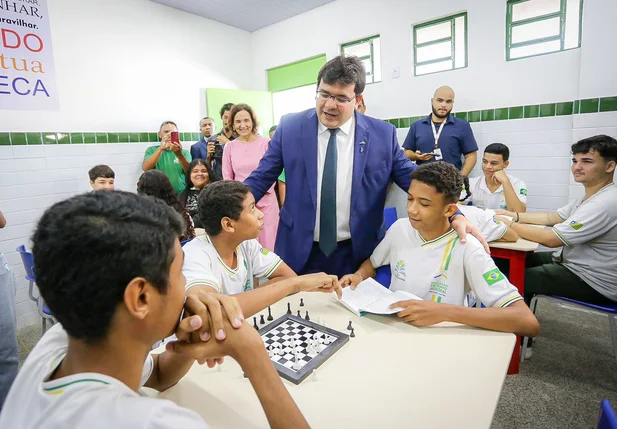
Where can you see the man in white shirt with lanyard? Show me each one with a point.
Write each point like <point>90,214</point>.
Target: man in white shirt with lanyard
<point>441,136</point>
<point>496,189</point>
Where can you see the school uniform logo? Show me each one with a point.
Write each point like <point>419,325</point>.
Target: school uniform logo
<point>399,270</point>
<point>264,251</point>
<point>439,286</point>
<point>523,191</point>
<point>176,161</point>
<point>576,225</point>
<point>493,276</point>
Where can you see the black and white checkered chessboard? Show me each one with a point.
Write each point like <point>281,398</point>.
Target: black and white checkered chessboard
<point>279,335</point>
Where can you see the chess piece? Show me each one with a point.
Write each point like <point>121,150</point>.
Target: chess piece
<point>299,315</point>
<point>301,302</point>
<point>314,375</point>
<point>262,321</point>
<point>255,323</point>
<point>318,320</point>
<point>270,318</point>
<point>325,325</point>
<point>307,316</point>
<point>288,308</point>
<point>349,328</point>
<point>352,335</point>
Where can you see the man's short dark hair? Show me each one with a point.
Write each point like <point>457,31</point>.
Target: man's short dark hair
<point>218,200</point>
<point>167,122</point>
<point>88,248</point>
<point>344,71</point>
<point>272,128</point>
<point>205,117</point>
<point>498,149</point>
<point>225,108</point>
<point>444,177</point>
<point>101,170</point>
<point>605,145</point>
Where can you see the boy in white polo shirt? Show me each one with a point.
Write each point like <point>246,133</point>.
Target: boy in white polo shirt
<point>109,265</point>
<point>495,189</point>
<point>228,258</point>
<point>427,259</point>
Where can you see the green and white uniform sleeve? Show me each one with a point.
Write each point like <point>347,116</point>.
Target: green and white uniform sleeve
<point>484,278</point>
<point>263,261</point>
<point>521,190</point>
<point>197,269</point>
<point>587,222</point>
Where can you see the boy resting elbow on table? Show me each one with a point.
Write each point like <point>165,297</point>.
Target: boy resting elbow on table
<point>228,257</point>
<point>109,266</point>
<point>428,260</point>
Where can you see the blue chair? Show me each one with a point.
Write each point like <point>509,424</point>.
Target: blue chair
<point>607,419</point>
<point>28,260</point>
<point>383,274</point>
<point>609,310</point>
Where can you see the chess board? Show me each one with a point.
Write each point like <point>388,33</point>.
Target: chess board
<point>279,334</point>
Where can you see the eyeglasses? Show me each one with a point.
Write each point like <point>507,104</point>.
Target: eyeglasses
<point>340,100</point>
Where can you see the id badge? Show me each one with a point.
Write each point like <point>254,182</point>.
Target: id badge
<point>437,153</point>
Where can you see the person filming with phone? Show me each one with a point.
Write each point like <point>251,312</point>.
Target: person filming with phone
<point>442,137</point>
<point>169,157</point>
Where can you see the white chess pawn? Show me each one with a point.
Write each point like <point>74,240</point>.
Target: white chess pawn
<point>315,375</point>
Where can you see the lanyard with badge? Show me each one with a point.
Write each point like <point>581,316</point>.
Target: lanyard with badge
<point>436,134</point>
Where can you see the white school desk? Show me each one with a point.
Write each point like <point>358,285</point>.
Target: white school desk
<point>516,253</point>
<point>391,375</point>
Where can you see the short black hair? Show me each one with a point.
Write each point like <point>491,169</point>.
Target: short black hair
<point>498,149</point>
<point>205,117</point>
<point>605,145</point>
<point>89,247</point>
<point>444,177</point>
<point>272,128</point>
<point>101,170</point>
<point>225,108</point>
<point>218,200</point>
<point>344,71</point>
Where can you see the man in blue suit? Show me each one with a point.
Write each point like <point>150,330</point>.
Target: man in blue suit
<point>338,164</point>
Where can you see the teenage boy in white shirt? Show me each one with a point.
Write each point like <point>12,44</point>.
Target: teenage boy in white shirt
<point>496,189</point>
<point>228,258</point>
<point>427,259</point>
<point>109,266</point>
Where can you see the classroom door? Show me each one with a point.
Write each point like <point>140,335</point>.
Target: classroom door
<point>260,101</point>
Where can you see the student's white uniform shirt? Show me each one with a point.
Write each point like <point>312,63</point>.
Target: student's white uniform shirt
<point>83,401</point>
<point>490,228</point>
<point>589,233</point>
<point>204,266</point>
<point>482,197</point>
<point>442,270</point>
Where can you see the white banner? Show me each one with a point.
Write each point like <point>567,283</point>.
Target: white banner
<point>27,73</point>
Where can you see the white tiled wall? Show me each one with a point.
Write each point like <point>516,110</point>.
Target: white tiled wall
<point>539,154</point>
<point>34,177</point>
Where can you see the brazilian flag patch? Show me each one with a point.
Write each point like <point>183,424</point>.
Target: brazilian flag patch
<point>493,276</point>
<point>264,251</point>
<point>576,225</point>
<point>523,191</point>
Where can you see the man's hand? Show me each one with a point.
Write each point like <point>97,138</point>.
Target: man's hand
<point>176,148</point>
<point>212,309</point>
<point>462,226</point>
<point>505,220</point>
<point>222,139</point>
<point>211,149</point>
<point>421,313</point>
<point>424,156</point>
<point>319,282</point>
<point>352,280</point>
<point>500,176</point>
<point>165,143</point>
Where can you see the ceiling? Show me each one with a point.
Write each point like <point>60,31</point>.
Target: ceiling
<point>249,15</point>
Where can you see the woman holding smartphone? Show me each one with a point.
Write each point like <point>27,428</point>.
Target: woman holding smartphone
<point>241,156</point>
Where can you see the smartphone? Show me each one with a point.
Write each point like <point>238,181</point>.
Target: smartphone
<point>175,137</point>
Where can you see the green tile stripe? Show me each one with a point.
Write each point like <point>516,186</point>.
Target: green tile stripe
<point>590,105</point>
<point>57,137</point>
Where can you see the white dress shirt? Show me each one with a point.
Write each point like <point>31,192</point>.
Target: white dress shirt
<point>344,171</point>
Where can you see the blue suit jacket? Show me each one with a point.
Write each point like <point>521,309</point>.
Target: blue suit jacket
<point>378,160</point>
